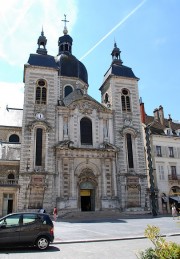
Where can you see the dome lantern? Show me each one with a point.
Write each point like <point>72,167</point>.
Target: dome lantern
<point>65,42</point>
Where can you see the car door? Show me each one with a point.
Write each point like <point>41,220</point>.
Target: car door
<point>10,229</point>
<point>30,228</point>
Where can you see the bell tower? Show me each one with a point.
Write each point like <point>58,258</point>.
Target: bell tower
<point>37,164</point>
<point>119,92</point>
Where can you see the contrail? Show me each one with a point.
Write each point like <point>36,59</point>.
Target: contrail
<point>113,29</point>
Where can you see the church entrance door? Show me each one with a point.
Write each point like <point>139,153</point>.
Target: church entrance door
<point>87,196</point>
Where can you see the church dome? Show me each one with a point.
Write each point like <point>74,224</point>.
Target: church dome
<point>70,66</point>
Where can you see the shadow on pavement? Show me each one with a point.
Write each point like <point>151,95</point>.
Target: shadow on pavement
<point>14,250</point>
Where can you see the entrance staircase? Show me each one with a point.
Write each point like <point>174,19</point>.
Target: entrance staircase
<point>99,215</point>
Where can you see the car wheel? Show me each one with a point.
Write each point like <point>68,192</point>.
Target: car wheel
<point>42,242</point>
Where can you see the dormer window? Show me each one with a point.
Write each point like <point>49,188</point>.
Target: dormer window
<point>168,131</point>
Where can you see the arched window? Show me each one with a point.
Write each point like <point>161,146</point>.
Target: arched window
<point>41,92</point>
<point>86,131</point>
<point>129,150</point>
<point>39,135</point>
<point>14,138</point>
<point>106,99</point>
<point>125,100</point>
<point>67,90</point>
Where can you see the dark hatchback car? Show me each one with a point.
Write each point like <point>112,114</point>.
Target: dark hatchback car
<point>26,229</point>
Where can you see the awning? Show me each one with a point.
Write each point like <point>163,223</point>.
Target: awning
<point>176,198</point>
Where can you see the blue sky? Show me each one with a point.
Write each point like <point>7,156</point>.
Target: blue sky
<point>146,31</point>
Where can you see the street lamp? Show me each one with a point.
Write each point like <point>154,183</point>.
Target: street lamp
<point>151,176</point>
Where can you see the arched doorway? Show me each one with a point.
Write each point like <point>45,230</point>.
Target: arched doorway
<point>87,196</point>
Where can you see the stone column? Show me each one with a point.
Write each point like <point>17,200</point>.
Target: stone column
<point>60,185</point>
<point>60,129</point>
<point>103,183</point>
<point>71,171</point>
<point>111,136</point>
<point>114,183</point>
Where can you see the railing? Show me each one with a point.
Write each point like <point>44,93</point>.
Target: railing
<point>9,182</point>
<point>174,177</point>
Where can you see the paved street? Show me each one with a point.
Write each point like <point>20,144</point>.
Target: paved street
<point>109,228</point>
<point>122,249</point>
<point>99,238</point>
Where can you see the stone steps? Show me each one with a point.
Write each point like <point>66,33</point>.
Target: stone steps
<point>88,215</point>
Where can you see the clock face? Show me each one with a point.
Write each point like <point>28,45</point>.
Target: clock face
<point>39,116</point>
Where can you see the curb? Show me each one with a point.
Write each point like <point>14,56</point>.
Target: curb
<point>108,239</point>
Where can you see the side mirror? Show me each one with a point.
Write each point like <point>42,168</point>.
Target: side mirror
<point>3,224</point>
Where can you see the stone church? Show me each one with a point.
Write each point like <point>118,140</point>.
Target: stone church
<point>69,150</point>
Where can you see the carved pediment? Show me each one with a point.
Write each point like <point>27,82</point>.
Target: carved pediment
<point>87,106</point>
<point>129,129</point>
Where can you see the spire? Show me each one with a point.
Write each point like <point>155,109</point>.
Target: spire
<point>116,55</point>
<point>65,42</point>
<point>42,44</point>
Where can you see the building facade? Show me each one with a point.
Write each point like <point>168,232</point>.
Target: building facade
<point>71,151</point>
<point>164,144</point>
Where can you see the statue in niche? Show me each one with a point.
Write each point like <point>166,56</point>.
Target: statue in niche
<point>65,129</point>
<point>105,130</point>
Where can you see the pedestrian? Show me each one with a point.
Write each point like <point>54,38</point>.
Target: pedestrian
<point>55,213</point>
<point>42,210</point>
<point>174,211</point>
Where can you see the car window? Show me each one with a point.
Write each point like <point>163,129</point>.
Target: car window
<point>29,218</point>
<point>43,219</point>
<point>11,221</point>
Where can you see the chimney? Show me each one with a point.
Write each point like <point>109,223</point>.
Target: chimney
<point>142,111</point>
<point>156,114</point>
<point>161,115</point>
<point>170,121</point>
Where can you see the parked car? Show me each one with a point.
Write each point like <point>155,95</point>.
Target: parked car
<point>26,229</point>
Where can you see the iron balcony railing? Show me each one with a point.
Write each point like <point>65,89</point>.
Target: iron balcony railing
<point>174,177</point>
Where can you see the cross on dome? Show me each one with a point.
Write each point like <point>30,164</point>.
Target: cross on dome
<point>65,31</point>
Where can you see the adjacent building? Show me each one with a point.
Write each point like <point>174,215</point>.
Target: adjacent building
<point>162,143</point>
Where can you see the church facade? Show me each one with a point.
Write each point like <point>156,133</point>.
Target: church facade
<point>73,152</point>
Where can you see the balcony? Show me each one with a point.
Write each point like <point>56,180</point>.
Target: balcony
<point>9,182</point>
<point>174,177</point>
